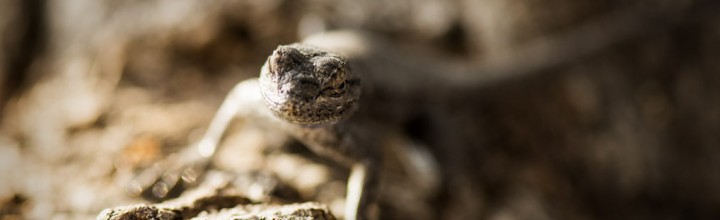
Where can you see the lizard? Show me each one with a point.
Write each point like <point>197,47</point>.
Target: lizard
<point>339,92</point>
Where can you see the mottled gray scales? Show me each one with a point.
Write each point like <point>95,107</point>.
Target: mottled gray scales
<point>305,85</point>
<point>315,91</point>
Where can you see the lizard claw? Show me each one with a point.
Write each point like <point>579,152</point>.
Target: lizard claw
<point>169,178</point>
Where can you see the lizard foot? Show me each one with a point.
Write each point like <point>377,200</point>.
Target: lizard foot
<point>170,177</point>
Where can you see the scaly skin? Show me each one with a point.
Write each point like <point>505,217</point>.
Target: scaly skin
<point>315,91</point>
<point>340,93</point>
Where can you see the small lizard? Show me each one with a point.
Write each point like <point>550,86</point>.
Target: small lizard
<point>340,92</point>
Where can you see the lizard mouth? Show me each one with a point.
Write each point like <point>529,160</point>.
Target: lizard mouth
<point>302,102</point>
<point>315,113</point>
<point>305,106</point>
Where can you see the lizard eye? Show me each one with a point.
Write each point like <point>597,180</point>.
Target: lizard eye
<point>335,92</point>
<point>329,69</point>
<point>329,66</point>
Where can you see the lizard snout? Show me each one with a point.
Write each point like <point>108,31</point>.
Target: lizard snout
<point>304,88</point>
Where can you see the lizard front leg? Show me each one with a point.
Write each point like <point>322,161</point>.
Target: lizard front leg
<point>361,190</point>
<point>169,177</point>
<point>244,101</point>
<point>347,144</point>
<point>343,142</point>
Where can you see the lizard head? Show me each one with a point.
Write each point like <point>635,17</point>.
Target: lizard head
<point>309,86</point>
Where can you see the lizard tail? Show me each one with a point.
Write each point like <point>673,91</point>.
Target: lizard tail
<point>387,66</point>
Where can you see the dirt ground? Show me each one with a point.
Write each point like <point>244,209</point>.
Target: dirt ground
<point>93,92</point>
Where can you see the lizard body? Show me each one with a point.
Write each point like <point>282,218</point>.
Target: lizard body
<point>339,93</point>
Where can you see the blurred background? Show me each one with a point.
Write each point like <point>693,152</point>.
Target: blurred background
<point>93,90</point>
